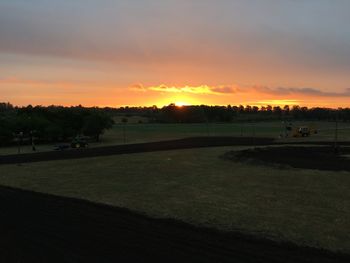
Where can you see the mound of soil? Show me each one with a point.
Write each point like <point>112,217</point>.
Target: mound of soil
<point>319,158</point>
<point>44,228</point>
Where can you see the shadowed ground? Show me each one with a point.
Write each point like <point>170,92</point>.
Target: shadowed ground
<point>44,228</point>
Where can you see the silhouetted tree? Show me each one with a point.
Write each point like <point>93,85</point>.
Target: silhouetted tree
<point>95,124</point>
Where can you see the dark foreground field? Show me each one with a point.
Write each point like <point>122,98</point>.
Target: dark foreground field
<point>42,228</point>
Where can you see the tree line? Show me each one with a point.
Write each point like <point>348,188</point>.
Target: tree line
<point>58,123</point>
<point>204,113</point>
<point>51,124</point>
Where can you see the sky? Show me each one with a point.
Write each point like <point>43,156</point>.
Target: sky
<point>157,52</point>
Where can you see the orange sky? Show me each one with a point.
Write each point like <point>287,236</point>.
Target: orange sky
<point>118,53</point>
<point>106,94</point>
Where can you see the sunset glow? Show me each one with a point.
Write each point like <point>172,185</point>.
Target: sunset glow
<point>181,103</point>
<point>119,53</point>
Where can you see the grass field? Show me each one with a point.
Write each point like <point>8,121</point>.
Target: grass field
<point>134,132</point>
<point>309,207</point>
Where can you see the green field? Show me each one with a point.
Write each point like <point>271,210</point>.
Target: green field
<point>308,207</point>
<point>134,132</point>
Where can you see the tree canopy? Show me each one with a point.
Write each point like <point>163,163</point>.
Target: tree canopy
<point>58,123</point>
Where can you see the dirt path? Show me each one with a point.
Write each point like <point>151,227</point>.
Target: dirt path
<point>42,228</point>
<point>186,143</point>
<point>134,148</point>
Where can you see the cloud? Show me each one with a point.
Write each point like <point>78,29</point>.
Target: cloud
<point>15,81</point>
<point>187,89</point>
<point>235,89</point>
<point>189,32</point>
<point>203,89</point>
<point>138,87</point>
<point>301,91</point>
<point>16,84</point>
<point>225,89</point>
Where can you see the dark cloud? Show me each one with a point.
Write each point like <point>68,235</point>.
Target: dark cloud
<point>225,89</point>
<point>163,31</point>
<point>301,91</point>
<point>138,87</point>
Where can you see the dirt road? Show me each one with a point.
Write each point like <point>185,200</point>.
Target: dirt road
<point>187,143</point>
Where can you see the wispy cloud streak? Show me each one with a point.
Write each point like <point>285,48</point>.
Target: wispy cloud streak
<point>202,89</point>
<point>301,91</point>
<point>235,89</point>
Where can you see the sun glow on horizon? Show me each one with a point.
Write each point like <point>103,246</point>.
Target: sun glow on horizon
<point>181,103</point>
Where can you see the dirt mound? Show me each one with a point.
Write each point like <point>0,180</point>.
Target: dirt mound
<point>320,158</point>
<point>43,228</point>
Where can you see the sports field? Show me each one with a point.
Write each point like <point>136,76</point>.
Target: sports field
<point>307,207</point>
<point>262,205</point>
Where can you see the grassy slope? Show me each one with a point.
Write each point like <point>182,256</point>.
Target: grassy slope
<point>306,206</point>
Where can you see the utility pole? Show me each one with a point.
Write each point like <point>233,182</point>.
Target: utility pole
<point>32,133</point>
<point>207,126</point>
<point>19,141</point>
<point>124,121</point>
<point>19,137</point>
<point>253,124</point>
<point>253,127</point>
<point>336,146</point>
<point>205,117</point>
<point>124,133</point>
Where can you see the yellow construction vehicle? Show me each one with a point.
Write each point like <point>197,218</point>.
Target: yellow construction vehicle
<point>304,131</point>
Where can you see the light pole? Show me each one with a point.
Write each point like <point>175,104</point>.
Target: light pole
<point>19,141</point>
<point>253,129</point>
<point>32,140</point>
<point>336,146</point>
<point>206,120</point>
<point>124,120</point>
<point>18,137</point>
